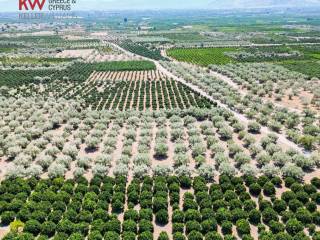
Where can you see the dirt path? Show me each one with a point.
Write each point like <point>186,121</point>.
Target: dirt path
<point>308,177</point>
<point>134,154</point>
<point>126,102</point>
<point>118,151</point>
<point>3,168</point>
<point>163,228</point>
<point>4,231</point>
<point>133,94</point>
<point>153,144</point>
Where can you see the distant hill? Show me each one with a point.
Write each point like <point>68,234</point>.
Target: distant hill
<point>226,4</point>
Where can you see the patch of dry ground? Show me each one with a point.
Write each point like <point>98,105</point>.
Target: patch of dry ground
<point>78,53</point>
<point>4,231</point>
<point>128,76</point>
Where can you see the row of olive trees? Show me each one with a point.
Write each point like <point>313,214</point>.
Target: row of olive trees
<point>301,128</point>
<point>45,136</point>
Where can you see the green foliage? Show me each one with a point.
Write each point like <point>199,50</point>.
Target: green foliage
<point>243,227</point>
<point>255,189</point>
<point>293,226</point>
<point>111,236</point>
<point>95,235</point>
<point>179,236</point>
<point>226,204</point>
<point>145,236</point>
<point>254,127</point>
<point>269,189</point>
<point>146,214</point>
<point>201,56</point>
<point>195,235</point>
<point>163,236</point>
<point>310,68</point>
<point>7,217</point>
<point>213,236</point>
<point>143,50</point>
<point>124,66</point>
<point>226,227</point>
<point>76,236</point>
<point>145,226</point>
<point>128,236</point>
<point>162,217</point>
<point>48,228</point>
<point>32,226</point>
<point>129,226</point>
<point>16,225</point>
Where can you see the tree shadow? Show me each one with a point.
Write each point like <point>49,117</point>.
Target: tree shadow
<point>91,150</point>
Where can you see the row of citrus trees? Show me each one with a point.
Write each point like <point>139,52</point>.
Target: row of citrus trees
<point>232,207</point>
<point>142,49</point>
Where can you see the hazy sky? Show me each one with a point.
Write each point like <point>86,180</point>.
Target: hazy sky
<point>12,5</point>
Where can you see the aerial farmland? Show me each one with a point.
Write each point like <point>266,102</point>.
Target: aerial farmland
<point>180,125</point>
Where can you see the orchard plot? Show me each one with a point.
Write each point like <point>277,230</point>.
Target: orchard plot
<point>48,138</point>
<point>160,208</point>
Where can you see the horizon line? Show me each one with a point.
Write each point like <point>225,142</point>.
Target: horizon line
<point>175,9</point>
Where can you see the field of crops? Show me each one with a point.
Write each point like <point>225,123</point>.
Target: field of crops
<point>71,141</point>
<point>52,42</point>
<point>154,95</point>
<point>168,208</point>
<point>310,68</point>
<point>164,125</point>
<point>274,82</point>
<point>77,72</point>
<point>277,118</point>
<point>124,66</point>
<point>109,85</point>
<point>205,56</point>
<point>143,50</point>
<point>104,93</point>
<point>100,54</point>
<point>30,60</point>
<point>127,75</point>
<point>4,49</point>
<point>186,37</point>
<point>134,143</point>
<point>201,56</point>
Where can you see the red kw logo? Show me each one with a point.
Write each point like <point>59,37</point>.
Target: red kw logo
<point>26,4</point>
